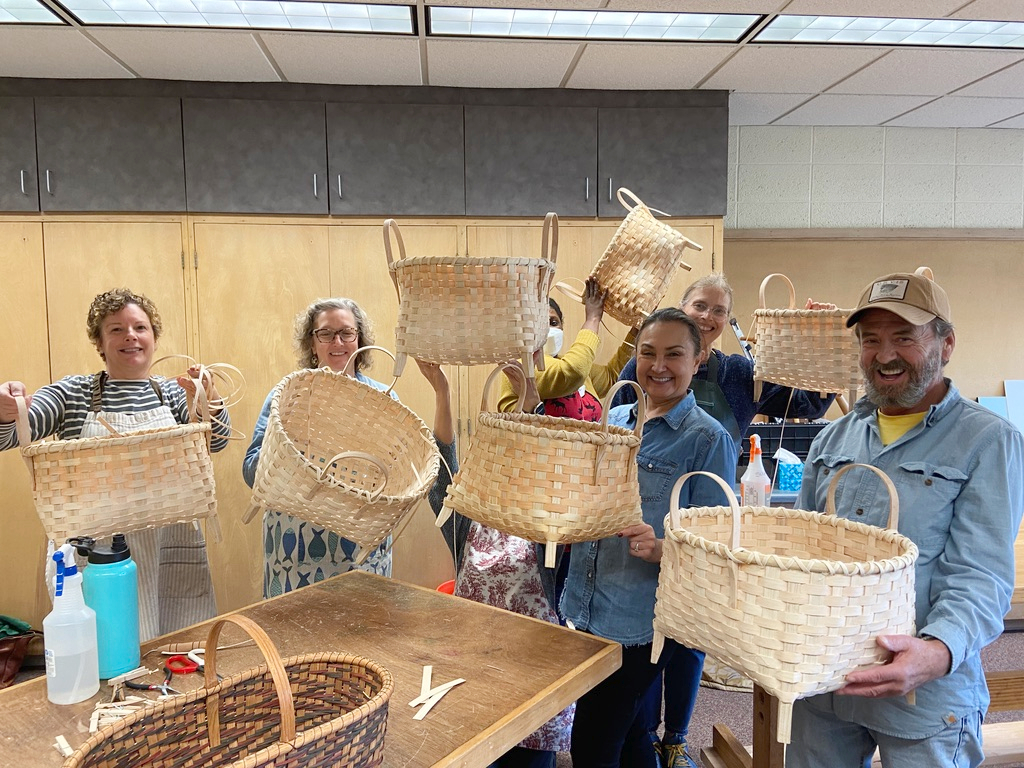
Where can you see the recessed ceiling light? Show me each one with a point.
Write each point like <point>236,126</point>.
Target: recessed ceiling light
<point>578,25</point>
<point>245,14</point>
<point>27,12</point>
<point>950,33</point>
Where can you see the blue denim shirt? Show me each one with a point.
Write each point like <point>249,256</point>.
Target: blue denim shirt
<point>610,593</point>
<point>959,477</point>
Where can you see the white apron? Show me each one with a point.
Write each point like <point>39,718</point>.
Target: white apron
<point>175,588</point>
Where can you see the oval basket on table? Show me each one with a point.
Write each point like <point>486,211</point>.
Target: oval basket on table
<point>809,349</point>
<point>792,599</point>
<point>548,479</point>
<point>462,310</point>
<point>344,456</point>
<point>317,710</point>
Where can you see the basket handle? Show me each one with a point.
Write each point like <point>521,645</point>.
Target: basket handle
<point>487,390</point>
<point>23,429</point>
<point>729,494</point>
<point>549,236</point>
<point>375,494</point>
<point>355,354</point>
<point>391,227</point>
<point>636,200</point>
<point>894,499</point>
<point>925,272</point>
<point>792,291</point>
<point>641,405</point>
<point>277,673</point>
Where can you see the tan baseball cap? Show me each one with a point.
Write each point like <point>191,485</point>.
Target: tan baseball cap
<point>915,298</point>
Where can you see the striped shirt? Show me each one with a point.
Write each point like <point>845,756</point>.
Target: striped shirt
<point>60,408</point>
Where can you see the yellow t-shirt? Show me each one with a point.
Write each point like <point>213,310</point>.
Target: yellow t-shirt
<point>892,428</point>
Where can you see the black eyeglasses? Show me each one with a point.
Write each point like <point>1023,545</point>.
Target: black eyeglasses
<point>326,335</point>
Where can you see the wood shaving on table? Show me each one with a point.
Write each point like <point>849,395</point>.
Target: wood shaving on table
<point>62,746</point>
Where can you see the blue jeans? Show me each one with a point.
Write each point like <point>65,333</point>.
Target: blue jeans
<point>682,684</point>
<point>610,729</point>
<point>821,740</point>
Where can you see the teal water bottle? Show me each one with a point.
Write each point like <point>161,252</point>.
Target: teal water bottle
<point>111,588</point>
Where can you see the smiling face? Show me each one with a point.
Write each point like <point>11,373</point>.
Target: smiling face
<point>710,307</point>
<point>666,359</point>
<point>335,353</point>
<point>127,343</point>
<point>901,362</point>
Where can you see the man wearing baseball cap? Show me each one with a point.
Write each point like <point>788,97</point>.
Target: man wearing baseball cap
<point>958,469</point>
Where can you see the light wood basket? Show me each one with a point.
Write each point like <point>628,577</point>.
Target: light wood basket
<point>317,710</point>
<point>792,599</point>
<point>810,349</point>
<point>461,310</point>
<point>343,456</point>
<point>98,486</point>
<point>548,479</point>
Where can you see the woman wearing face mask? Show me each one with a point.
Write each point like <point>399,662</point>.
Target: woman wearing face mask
<point>571,385</point>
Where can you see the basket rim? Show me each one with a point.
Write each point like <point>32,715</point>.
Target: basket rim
<point>559,428</point>
<point>744,556</point>
<point>374,703</point>
<point>482,261</point>
<point>427,475</point>
<point>132,438</point>
<point>786,312</point>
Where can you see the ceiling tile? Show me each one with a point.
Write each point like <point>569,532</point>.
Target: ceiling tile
<point>1013,122</point>
<point>53,52</point>
<point>961,112</point>
<point>789,68</point>
<point>762,108</point>
<point>548,5</point>
<point>693,6</point>
<point>193,54</point>
<point>643,67</point>
<point>1008,82</point>
<point>851,110</point>
<point>498,64</point>
<point>925,72</point>
<point>345,59</point>
<point>907,9</point>
<point>989,10</point>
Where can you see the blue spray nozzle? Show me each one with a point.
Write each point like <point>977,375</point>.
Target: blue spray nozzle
<point>66,566</point>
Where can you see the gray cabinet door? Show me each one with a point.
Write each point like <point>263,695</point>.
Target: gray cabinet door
<point>526,161</point>
<point>18,188</point>
<point>396,159</point>
<point>251,156</point>
<point>110,154</point>
<point>674,159</point>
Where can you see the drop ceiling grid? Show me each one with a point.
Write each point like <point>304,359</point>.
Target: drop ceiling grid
<point>924,72</point>
<point>643,67</point>
<point>345,59</point>
<point>850,110</point>
<point>498,64</point>
<point>789,69</point>
<point>54,52</point>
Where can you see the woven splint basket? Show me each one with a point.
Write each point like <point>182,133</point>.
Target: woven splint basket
<point>462,310</point>
<point>98,486</point>
<point>639,263</point>
<point>343,456</point>
<point>792,599</point>
<point>318,710</point>
<point>809,349</point>
<point>548,479</point>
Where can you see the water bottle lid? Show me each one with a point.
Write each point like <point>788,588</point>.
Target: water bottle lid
<point>117,552</point>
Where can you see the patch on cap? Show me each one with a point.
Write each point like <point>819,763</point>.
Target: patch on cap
<point>888,290</point>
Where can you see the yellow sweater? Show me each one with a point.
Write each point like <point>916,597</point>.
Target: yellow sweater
<point>564,375</point>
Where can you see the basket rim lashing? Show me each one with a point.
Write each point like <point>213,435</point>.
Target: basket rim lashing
<point>508,296</point>
<point>795,623</point>
<point>289,738</point>
<point>549,506</point>
<point>810,349</point>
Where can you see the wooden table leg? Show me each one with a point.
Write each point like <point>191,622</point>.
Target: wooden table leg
<point>727,752</point>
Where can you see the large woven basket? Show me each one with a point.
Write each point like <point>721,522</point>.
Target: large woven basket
<point>343,456</point>
<point>809,349</point>
<point>548,479</point>
<point>639,263</point>
<point>459,310</point>
<point>792,599</point>
<point>317,710</point>
<point>98,486</point>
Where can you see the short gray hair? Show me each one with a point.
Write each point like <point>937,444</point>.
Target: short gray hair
<point>712,280</point>
<point>305,321</point>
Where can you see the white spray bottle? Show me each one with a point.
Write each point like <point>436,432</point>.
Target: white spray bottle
<point>69,637</point>
<point>755,483</point>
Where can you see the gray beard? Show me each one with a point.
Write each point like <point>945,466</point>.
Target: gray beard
<point>912,392</point>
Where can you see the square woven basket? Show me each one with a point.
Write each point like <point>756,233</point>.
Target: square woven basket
<point>792,599</point>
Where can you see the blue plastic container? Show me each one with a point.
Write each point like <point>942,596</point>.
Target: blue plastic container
<point>111,587</point>
<point>790,477</point>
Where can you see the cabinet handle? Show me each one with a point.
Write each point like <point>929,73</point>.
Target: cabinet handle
<point>609,189</point>
<point>339,187</point>
<point>586,195</point>
<point>22,174</point>
<point>314,187</point>
<point>48,190</point>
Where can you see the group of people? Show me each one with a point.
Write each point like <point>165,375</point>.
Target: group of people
<point>956,466</point>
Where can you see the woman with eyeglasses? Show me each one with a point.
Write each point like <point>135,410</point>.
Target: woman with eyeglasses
<point>295,553</point>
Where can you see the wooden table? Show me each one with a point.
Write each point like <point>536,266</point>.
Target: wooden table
<point>727,752</point>
<point>519,672</point>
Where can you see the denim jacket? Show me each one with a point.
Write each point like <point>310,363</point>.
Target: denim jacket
<point>610,593</point>
<point>959,476</point>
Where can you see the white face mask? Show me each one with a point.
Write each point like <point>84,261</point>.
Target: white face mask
<point>554,343</point>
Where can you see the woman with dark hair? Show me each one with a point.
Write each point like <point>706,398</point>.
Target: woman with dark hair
<point>612,582</point>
